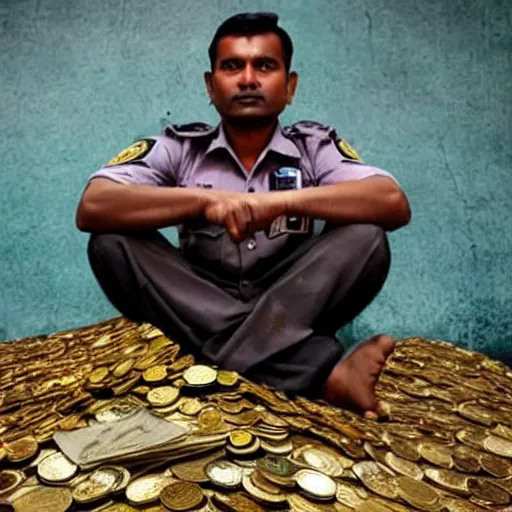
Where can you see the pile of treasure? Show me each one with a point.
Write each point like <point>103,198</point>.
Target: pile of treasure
<point>113,417</point>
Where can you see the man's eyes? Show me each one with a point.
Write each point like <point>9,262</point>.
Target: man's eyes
<point>230,66</point>
<point>265,65</point>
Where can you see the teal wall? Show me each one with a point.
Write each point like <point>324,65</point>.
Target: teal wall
<point>422,89</point>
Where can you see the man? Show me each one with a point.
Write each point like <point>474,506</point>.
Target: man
<point>268,307</point>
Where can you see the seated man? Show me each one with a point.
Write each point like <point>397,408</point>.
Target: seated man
<point>266,306</point>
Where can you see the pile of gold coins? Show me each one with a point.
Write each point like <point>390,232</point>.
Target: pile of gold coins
<point>444,445</point>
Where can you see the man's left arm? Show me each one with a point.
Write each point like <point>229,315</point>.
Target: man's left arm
<point>371,200</point>
<point>348,191</point>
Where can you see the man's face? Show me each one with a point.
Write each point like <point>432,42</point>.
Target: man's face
<point>250,80</point>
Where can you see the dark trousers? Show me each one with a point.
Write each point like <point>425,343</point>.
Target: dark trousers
<point>278,328</point>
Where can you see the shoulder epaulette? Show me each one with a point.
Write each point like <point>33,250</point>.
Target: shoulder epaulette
<point>189,130</point>
<point>325,133</point>
<point>310,128</point>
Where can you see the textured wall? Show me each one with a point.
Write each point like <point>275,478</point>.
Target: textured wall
<point>422,89</point>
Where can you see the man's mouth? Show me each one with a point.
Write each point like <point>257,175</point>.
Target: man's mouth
<point>248,99</point>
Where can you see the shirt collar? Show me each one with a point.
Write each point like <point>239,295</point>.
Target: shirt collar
<point>279,143</point>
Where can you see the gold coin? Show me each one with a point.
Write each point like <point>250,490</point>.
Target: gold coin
<point>403,466</point>
<point>402,447</point>
<point>246,450</point>
<point>262,496</point>
<point>123,368</point>
<point>136,350</point>
<point>227,378</point>
<point>141,390</point>
<point>98,375</point>
<point>323,461</point>
<point>259,479</point>
<point>210,419</point>
<point>316,484</point>
<point>162,396</point>
<point>471,436</point>
<point>244,418</point>
<point>97,485</point>
<point>44,499</point>
<point>156,373</point>
<point>465,462</point>
<point>377,478</point>
<point>224,474</point>
<point>418,494</point>
<point>159,342</point>
<point>199,375</point>
<point>56,468</point>
<point>195,470</point>
<point>503,431</point>
<point>349,494</point>
<point>495,466</point>
<point>181,496</point>
<point>277,448</point>
<point>9,480</point>
<point>436,454</point>
<point>449,479</point>
<point>488,492</point>
<point>190,406</point>
<point>146,489</point>
<point>21,449</point>
<point>498,446</point>
<point>459,505</point>
<point>240,438</point>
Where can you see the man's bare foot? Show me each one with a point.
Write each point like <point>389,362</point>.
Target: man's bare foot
<point>351,383</point>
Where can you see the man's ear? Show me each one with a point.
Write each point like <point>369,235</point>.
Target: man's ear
<point>293,80</point>
<point>208,77</point>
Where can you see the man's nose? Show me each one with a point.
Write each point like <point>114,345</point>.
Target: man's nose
<point>248,78</point>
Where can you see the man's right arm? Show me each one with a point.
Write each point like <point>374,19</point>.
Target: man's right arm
<point>110,206</point>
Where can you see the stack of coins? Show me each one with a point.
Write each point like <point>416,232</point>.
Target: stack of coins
<point>445,445</point>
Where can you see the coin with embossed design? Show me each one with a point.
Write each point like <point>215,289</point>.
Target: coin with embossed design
<point>181,496</point>
<point>418,494</point>
<point>316,484</point>
<point>44,499</point>
<point>146,489</point>
<point>163,396</point>
<point>199,375</point>
<point>155,373</point>
<point>9,480</point>
<point>21,449</point>
<point>224,474</point>
<point>56,468</point>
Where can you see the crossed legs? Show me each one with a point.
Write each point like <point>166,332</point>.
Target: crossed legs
<point>284,334</point>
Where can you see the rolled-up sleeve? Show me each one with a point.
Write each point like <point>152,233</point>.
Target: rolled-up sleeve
<point>157,166</point>
<point>330,167</point>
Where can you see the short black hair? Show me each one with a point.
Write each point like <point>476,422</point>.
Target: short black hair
<point>250,24</point>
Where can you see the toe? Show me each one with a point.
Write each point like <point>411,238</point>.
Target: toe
<point>370,415</point>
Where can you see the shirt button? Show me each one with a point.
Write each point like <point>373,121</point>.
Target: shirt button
<point>251,245</point>
<point>250,189</point>
<point>245,284</point>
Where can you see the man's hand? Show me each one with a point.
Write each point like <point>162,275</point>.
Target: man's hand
<point>242,213</point>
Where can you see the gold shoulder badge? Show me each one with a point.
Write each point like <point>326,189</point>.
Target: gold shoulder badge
<point>136,151</point>
<point>348,151</point>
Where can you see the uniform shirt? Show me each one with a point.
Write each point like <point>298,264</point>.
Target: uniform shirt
<point>200,156</point>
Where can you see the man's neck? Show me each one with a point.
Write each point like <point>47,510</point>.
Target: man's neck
<point>248,140</point>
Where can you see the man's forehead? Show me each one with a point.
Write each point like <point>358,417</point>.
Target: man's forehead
<point>267,44</point>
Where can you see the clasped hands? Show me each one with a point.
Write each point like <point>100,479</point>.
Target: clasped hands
<point>243,213</point>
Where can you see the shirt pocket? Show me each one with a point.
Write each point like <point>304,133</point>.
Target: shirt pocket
<point>204,244</point>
